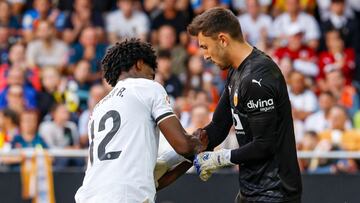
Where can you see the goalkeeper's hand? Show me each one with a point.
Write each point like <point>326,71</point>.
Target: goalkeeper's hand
<point>208,162</point>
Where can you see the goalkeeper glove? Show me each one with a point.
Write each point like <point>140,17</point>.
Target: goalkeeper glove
<point>208,162</point>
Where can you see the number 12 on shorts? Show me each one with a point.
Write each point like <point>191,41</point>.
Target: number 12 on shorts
<point>101,148</point>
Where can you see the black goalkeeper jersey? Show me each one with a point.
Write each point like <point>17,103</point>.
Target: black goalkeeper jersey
<point>256,102</point>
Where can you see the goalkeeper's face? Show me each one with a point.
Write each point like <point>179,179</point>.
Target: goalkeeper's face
<point>215,49</point>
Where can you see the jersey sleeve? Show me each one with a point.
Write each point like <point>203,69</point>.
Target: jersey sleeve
<point>160,103</point>
<point>219,127</point>
<point>259,98</point>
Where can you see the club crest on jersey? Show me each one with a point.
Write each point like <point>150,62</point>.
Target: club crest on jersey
<point>235,99</point>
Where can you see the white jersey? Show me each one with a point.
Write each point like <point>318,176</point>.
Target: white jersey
<point>124,139</point>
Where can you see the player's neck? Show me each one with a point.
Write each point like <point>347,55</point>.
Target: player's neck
<point>129,74</point>
<point>239,53</point>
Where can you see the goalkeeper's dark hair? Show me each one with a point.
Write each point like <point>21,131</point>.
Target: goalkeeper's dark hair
<point>122,56</point>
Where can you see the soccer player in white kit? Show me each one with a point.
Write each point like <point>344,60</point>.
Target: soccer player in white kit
<point>124,129</point>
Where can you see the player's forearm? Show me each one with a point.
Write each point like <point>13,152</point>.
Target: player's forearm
<point>221,122</point>
<point>174,174</point>
<point>251,152</point>
<point>264,140</point>
<point>184,144</point>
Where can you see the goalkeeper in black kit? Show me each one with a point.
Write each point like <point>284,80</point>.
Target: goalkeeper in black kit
<point>256,102</point>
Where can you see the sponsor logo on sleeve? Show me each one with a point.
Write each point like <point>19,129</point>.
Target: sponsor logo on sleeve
<point>257,82</point>
<point>262,105</point>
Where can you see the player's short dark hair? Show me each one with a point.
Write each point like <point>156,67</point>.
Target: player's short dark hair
<point>123,56</point>
<point>214,21</point>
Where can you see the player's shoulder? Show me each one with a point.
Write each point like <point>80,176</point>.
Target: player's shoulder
<point>259,63</point>
<point>143,87</point>
<point>260,68</point>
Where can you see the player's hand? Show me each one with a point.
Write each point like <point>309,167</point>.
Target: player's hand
<point>208,162</point>
<point>203,137</point>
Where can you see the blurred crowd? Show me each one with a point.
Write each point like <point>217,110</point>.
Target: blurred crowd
<point>50,73</point>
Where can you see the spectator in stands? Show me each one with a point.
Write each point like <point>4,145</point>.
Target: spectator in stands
<point>59,132</point>
<point>81,17</point>
<point>345,95</point>
<point>97,92</point>
<point>294,15</point>
<point>7,19</point>
<point>4,44</point>
<point>42,11</point>
<point>200,6</point>
<point>303,102</point>
<point>167,41</point>
<point>127,22</point>
<point>14,99</point>
<point>169,15</point>
<point>10,124</point>
<point>318,121</point>
<point>99,6</point>
<point>339,20</point>
<point>79,83</point>
<point>89,49</point>
<point>308,144</point>
<point>303,57</point>
<point>165,76</point>
<point>256,26</point>
<point>50,93</point>
<point>325,166</point>
<point>337,137</point>
<point>193,78</point>
<point>307,6</point>
<point>341,138</point>
<point>18,92</point>
<point>200,116</point>
<point>286,67</point>
<point>47,50</point>
<point>16,60</point>
<point>240,6</point>
<point>325,10</point>
<point>336,57</point>
<point>198,79</point>
<point>29,136</point>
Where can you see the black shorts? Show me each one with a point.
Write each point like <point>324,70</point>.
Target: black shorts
<point>239,199</point>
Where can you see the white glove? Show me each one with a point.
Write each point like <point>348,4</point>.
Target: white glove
<point>208,162</point>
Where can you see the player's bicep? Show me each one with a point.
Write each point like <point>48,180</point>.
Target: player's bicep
<point>260,103</point>
<point>160,103</point>
<point>221,122</point>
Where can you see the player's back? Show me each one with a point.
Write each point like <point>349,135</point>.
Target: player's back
<point>123,144</point>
